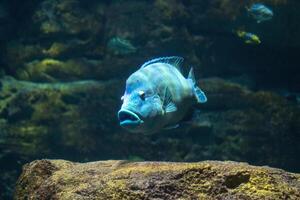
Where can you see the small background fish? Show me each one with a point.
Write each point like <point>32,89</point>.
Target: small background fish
<point>249,38</point>
<point>120,46</point>
<point>260,12</point>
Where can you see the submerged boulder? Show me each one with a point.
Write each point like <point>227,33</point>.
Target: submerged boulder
<point>60,179</point>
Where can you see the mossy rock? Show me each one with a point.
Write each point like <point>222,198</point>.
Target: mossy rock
<point>35,116</point>
<point>59,179</point>
<point>241,124</point>
<point>54,70</point>
<point>68,18</point>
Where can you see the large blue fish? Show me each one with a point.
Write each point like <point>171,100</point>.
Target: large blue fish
<point>157,96</point>
<point>260,12</point>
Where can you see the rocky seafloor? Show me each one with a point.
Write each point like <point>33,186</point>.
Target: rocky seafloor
<point>207,180</point>
<point>63,67</point>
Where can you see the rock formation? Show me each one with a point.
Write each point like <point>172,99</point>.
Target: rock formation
<point>208,180</point>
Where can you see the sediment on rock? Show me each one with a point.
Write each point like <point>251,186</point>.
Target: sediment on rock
<point>59,179</point>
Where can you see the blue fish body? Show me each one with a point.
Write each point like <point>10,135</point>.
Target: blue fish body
<point>157,96</point>
<point>260,12</point>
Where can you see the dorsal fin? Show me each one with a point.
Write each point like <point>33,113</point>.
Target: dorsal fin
<point>191,76</point>
<point>175,61</point>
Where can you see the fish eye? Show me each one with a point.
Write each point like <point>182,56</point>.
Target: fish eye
<point>142,95</point>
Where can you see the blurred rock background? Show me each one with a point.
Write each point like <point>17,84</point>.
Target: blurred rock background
<point>64,63</point>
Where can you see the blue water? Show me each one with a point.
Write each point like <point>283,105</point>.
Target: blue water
<point>63,67</point>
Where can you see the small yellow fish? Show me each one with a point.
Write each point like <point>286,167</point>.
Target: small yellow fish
<point>249,38</point>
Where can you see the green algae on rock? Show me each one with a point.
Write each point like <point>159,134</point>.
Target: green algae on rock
<point>32,113</point>
<point>42,120</point>
<point>67,17</point>
<point>245,119</point>
<point>207,180</point>
<point>54,70</point>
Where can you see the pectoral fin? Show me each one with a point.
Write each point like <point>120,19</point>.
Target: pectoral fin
<point>169,106</point>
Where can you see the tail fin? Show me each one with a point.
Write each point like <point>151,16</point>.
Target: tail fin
<point>199,94</point>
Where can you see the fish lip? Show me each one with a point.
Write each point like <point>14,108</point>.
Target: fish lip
<point>129,118</point>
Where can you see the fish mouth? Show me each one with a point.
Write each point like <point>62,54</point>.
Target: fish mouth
<point>128,118</point>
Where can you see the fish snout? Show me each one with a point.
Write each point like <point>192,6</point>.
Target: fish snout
<point>128,118</point>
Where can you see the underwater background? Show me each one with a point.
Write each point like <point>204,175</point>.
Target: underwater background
<point>64,63</point>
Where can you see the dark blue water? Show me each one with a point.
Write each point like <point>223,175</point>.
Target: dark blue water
<point>63,66</point>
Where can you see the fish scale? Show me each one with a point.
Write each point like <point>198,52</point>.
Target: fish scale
<point>170,77</point>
